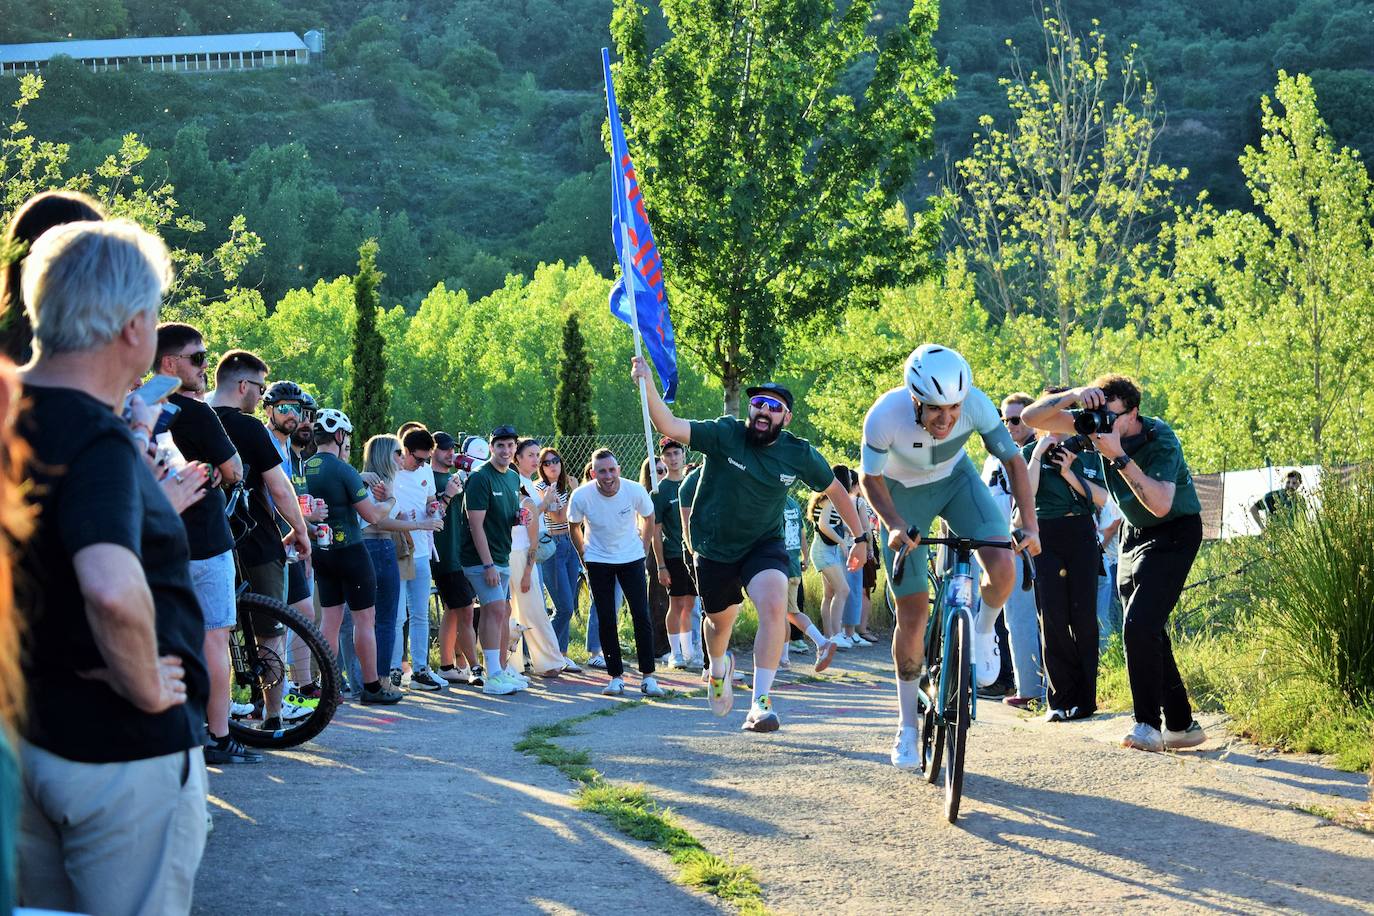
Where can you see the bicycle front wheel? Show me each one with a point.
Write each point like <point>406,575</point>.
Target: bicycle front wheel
<point>932,725</point>
<point>958,714</point>
<point>263,665</point>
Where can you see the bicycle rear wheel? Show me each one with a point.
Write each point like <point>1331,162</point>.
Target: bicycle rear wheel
<point>957,714</point>
<point>263,664</point>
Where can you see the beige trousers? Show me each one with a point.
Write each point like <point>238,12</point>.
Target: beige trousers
<point>527,609</point>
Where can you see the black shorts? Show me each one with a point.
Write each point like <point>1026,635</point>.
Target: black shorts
<point>455,591</point>
<point>344,575</point>
<point>722,585</point>
<point>267,579</point>
<point>297,585</point>
<point>680,573</point>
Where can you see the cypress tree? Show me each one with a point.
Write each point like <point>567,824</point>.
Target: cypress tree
<point>368,400</point>
<point>572,398</point>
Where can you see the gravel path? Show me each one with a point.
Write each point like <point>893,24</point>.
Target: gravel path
<point>427,808</point>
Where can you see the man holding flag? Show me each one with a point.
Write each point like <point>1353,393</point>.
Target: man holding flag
<point>737,532</point>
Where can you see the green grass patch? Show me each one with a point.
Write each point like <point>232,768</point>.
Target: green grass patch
<point>633,812</point>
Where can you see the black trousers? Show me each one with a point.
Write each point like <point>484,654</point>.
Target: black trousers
<point>634,583</point>
<point>1067,573</point>
<point>658,609</point>
<point>1155,563</point>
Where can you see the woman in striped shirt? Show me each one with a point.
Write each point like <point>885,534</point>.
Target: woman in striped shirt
<point>560,570</point>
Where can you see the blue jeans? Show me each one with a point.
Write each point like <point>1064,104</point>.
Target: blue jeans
<point>853,605</point>
<point>383,554</point>
<point>1108,607</point>
<point>559,573</point>
<point>593,622</point>
<point>414,597</point>
<point>1023,632</point>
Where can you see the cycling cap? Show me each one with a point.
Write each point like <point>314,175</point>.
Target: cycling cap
<point>331,420</point>
<point>938,376</point>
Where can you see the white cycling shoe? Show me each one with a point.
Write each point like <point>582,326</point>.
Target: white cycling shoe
<point>904,753</point>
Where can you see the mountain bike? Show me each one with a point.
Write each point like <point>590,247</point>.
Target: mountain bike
<point>263,665</point>
<point>948,701</point>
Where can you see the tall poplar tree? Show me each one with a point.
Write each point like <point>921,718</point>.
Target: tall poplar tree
<point>368,399</point>
<point>572,398</point>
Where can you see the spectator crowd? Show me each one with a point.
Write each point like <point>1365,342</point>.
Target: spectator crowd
<point>163,469</point>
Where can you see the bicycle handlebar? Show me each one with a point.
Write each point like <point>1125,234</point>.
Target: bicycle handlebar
<point>962,545</point>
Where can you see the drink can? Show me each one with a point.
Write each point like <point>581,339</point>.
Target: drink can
<point>323,535</point>
<point>435,508</point>
<point>306,503</point>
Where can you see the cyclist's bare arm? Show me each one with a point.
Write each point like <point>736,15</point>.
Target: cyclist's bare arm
<point>874,489</point>
<point>659,412</point>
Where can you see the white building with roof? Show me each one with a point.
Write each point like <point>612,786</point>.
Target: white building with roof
<point>181,53</point>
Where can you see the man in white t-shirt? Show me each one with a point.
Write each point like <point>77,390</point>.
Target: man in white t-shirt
<point>415,497</point>
<point>618,516</point>
<point>1108,604</point>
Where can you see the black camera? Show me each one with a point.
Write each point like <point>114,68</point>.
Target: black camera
<point>1087,422</point>
<point>1073,445</point>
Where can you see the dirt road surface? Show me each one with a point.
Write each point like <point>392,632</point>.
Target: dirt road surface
<point>427,808</point>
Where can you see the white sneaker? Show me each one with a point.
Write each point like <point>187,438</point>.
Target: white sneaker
<point>697,661</point>
<point>515,676</point>
<point>1191,736</point>
<point>841,641</point>
<point>239,710</point>
<point>664,660</point>
<point>424,679</point>
<point>650,687</point>
<point>571,666</point>
<point>456,675</point>
<point>616,688</point>
<point>597,661</point>
<point>904,755</point>
<point>499,685</point>
<point>1144,738</point>
<point>678,662</point>
<point>290,712</point>
<point>825,654</point>
<point>988,657</point>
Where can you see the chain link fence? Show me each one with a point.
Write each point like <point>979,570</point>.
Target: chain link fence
<point>577,451</point>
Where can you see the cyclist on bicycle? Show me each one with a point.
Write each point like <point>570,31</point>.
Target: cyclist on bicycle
<point>914,470</point>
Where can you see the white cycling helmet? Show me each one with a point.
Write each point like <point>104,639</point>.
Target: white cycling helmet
<point>476,448</point>
<point>331,421</point>
<point>938,376</point>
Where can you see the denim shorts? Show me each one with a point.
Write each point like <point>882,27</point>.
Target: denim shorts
<point>823,554</point>
<point>213,582</point>
<point>486,594</point>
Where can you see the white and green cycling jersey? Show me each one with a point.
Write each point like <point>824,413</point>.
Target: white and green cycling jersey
<point>899,448</point>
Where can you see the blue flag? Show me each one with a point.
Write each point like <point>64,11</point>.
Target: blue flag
<point>637,254</point>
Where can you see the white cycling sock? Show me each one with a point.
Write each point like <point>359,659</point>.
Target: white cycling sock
<point>908,703</point>
<point>815,635</point>
<point>763,681</point>
<point>675,640</point>
<point>493,660</point>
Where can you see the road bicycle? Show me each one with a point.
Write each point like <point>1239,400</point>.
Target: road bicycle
<point>949,704</point>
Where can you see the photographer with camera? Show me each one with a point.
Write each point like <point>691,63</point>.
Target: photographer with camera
<point>1149,479</point>
<point>1066,478</point>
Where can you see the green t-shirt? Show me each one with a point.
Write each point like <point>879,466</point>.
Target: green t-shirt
<point>743,487</point>
<point>667,514</point>
<point>792,536</point>
<point>498,494</point>
<point>685,496</point>
<point>1054,498</point>
<point>1161,457</point>
<point>445,556</point>
<point>332,480</point>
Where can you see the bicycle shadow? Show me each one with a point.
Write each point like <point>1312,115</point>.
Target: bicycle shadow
<point>1198,862</point>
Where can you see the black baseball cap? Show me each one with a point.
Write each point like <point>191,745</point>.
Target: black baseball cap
<point>772,390</point>
<point>443,441</point>
<point>668,442</point>
<point>503,432</point>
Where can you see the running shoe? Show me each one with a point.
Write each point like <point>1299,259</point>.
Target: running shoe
<point>650,687</point>
<point>300,699</point>
<point>385,695</point>
<point>396,677</point>
<point>616,688</point>
<point>677,662</point>
<point>1021,702</point>
<point>475,679</point>
<point>290,712</point>
<point>271,724</point>
<point>597,661</point>
<point>995,691</point>
<point>520,680</point>
<point>1056,715</point>
<point>785,664</point>
<point>841,641</point>
<point>859,641</point>
<point>1191,736</point>
<point>664,660</point>
<point>800,646</point>
<point>1144,738</point>
<point>1078,713</point>
<point>498,685</point>
<point>226,750</point>
<point>425,680</point>
<point>456,675</point>
<point>761,717</point>
<point>720,691</point>
<point>571,666</point>
<point>241,710</point>
<point>825,654</point>
<point>904,755</point>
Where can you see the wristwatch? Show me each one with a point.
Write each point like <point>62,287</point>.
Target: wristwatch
<point>488,565</point>
<point>1121,462</point>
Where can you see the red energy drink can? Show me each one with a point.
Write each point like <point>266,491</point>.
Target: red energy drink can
<point>323,535</point>
<point>307,503</point>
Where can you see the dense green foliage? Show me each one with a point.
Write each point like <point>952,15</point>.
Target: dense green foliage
<point>572,397</point>
<point>368,396</point>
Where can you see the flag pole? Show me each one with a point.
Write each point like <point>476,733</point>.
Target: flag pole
<point>627,274</point>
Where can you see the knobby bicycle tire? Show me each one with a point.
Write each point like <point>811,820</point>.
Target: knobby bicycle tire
<point>958,713</point>
<point>272,667</point>
<point>932,726</point>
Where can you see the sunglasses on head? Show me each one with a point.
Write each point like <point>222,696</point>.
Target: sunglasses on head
<point>197,359</point>
<point>1012,421</point>
<point>772,405</point>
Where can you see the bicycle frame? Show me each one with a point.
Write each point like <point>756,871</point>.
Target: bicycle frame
<point>959,582</point>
